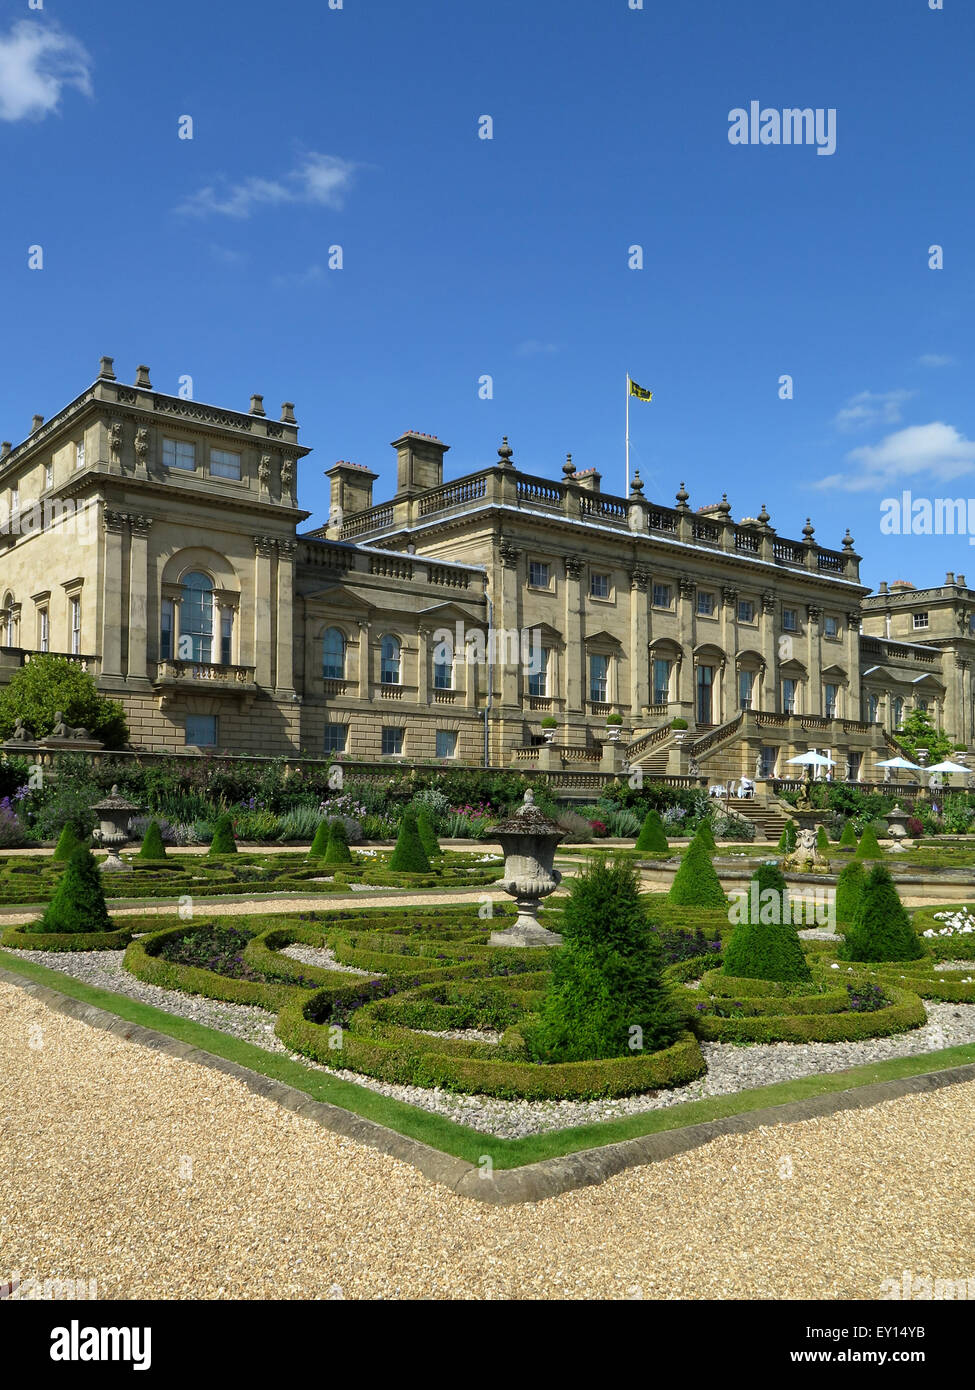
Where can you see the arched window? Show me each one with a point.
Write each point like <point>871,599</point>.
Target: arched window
<point>873,707</point>
<point>898,710</point>
<point>389,653</point>
<point>333,655</point>
<point>196,618</point>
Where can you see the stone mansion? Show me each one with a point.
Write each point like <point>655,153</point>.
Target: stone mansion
<point>498,618</point>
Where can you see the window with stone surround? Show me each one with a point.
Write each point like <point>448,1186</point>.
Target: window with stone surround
<point>224,464</point>
<point>790,619</point>
<point>389,661</point>
<point>538,680</point>
<point>746,612</point>
<point>663,596</point>
<point>392,745</point>
<point>336,737</point>
<point>539,574</point>
<point>599,586</point>
<point>178,453</point>
<point>446,743</point>
<point>920,621</point>
<point>831,627</point>
<point>201,730</point>
<point>333,655</point>
<point>705,603</point>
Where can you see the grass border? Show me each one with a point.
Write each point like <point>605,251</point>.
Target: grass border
<point>540,1165</point>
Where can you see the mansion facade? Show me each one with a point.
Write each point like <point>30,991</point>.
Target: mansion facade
<point>501,618</point>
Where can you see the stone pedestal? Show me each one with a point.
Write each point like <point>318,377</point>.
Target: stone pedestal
<point>528,839</point>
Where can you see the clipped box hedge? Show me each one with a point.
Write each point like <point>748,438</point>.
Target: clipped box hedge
<point>16,939</point>
<point>904,1012</point>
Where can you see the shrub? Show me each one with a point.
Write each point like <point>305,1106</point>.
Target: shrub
<point>78,904</point>
<point>696,883</point>
<point>678,723</point>
<point>881,929</point>
<point>652,838</point>
<point>705,835</point>
<point>409,856</point>
<point>787,840</point>
<point>319,845</point>
<point>549,722</point>
<point>152,843</point>
<point>12,834</point>
<point>606,979</point>
<point>765,944</point>
<point>67,843</point>
<point>914,828</point>
<point>848,839</point>
<point>868,848</point>
<point>822,841</point>
<point>337,850</point>
<point>576,827</point>
<point>849,891</point>
<point>426,832</point>
<point>49,683</point>
<point>223,841</point>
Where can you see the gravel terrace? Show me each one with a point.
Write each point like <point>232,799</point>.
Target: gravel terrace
<point>730,1068</point>
<point>161,1179</point>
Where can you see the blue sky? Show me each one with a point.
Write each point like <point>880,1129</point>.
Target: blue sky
<point>508,257</point>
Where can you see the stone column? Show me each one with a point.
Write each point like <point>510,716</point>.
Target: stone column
<point>685,636</point>
<point>365,682</point>
<point>764,697</point>
<point>285,682</point>
<point>639,643</point>
<point>505,618</point>
<point>729,645</point>
<point>263,552</point>
<point>138,594</point>
<point>814,663</point>
<point>423,681</point>
<point>113,524</point>
<point>575,693</point>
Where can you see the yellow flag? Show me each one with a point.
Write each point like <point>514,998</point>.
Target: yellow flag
<point>641,393</point>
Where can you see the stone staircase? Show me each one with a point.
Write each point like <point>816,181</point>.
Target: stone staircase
<point>768,818</point>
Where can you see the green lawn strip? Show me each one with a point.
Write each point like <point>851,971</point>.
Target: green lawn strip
<point>458,1140</point>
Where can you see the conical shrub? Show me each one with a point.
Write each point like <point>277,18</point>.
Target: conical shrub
<point>652,839</point>
<point>705,834</point>
<point>869,847</point>
<point>848,839</point>
<point>78,904</point>
<point>787,840</point>
<point>881,929</point>
<point>696,884</point>
<point>409,856</point>
<point>606,977</point>
<point>223,841</point>
<point>822,841</point>
<point>152,846</point>
<point>765,944</point>
<point>319,845</point>
<point>67,843</point>
<point>428,837</point>
<point>337,850</point>
<point>849,891</point>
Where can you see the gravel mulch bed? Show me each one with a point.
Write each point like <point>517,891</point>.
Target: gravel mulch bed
<point>324,957</point>
<point>731,1068</point>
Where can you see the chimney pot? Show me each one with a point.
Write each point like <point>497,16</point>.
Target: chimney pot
<point>4,448</point>
<point>37,422</point>
<point>257,405</point>
<point>142,377</point>
<point>961,581</point>
<point>106,368</point>
<point>288,412</point>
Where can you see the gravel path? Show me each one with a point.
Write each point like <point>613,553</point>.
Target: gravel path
<point>731,1068</point>
<point>161,1179</point>
<point>324,957</point>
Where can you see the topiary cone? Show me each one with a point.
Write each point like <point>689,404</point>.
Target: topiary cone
<point>869,847</point>
<point>78,904</point>
<point>67,843</point>
<point>337,850</point>
<point>696,884</point>
<point>223,841</point>
<point>319,845</point>
<point>881,929</point>
<point>409,856</point>
<point>849,891</point>
<point>428,837</point>
<point>652,839</point>
<point>705,835</point>
<point>848,839</point>
<point>152,843</point>
<point>765,944</point>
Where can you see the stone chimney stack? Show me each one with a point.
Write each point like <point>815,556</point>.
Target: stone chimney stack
<point>351,485</point>
<point>419,462</point>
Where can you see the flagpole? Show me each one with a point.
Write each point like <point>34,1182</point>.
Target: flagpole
<point>627,491</point>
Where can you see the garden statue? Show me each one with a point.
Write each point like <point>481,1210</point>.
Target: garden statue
<point>528,839</point>
<point>63,730</point>
<point>806,857</point>
<point>114,814</point>
<point>20,734</point>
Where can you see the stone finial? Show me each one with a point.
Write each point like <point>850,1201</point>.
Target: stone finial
<point>568,468</point>
<point>809,529</point>
<point>763,515</point>
<point>961,581</point>
<point>682,496</point>
<point>106,368</point>
<point>142,377</point>
<point>724,506</point>
<point>257,405</point>
<point>636,486</point>
<point>5,448</point>
<point>505,452</point>
<point>950,577</point>
<point>288,412</point>
<point>882,587</point>
<point>848,540</point>
<point>36,423</point>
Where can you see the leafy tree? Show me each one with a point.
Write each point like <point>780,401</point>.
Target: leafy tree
<point>47,684</point>
<point>605,990</point>
<point>869,848</point>
<point>319,845</point>
<point>78,904</point>
<point>696,884</point>
<point>881,929</point>
<point>223,841</point>
<point>918,731</point>
<point>765,944</point>
<point>67,843</point>
<point>849,891</point>
<point>337,851</point>
<point>152,846</point>
<point>409,856</point>
<point>652,839</point>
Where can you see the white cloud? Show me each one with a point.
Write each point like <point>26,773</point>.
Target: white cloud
<point>37,61</point>
<point>534,347</point>
<point>321,179</point>
<point>935,359</point>
<point>938,450</point>
<point>872,408</point>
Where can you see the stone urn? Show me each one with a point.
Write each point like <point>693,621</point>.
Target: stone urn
<point>528,839</point>
<point>114,814</point>
<point>896,823</point>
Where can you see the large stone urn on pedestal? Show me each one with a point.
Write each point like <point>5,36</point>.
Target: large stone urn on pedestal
<point>528,839</point>
<point>114,814</point>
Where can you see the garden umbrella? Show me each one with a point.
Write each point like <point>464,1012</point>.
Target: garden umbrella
<point>812,760</point>
<point>947,766</point>
<point>902,762</point>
